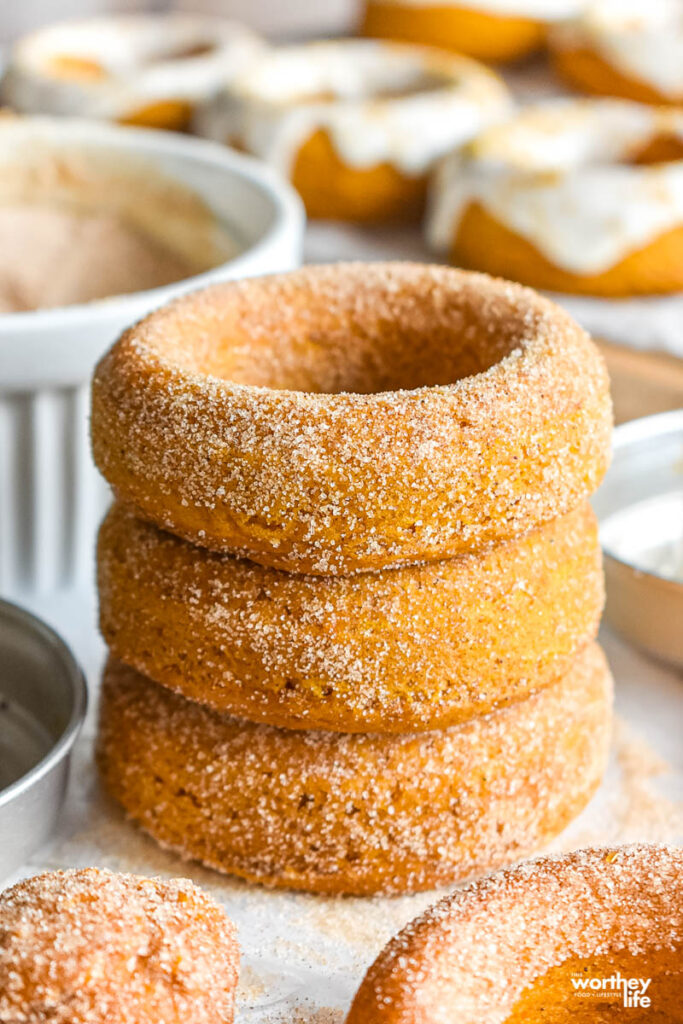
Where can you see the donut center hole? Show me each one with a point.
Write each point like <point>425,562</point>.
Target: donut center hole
<point>422,83</point>
<point>619,986</point>
<point>201,48</point>
<point>367,342</point>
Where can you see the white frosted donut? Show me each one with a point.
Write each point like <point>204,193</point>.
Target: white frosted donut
<point>572,180</point>
<point>121,68</point>
<point>630,48</point>
<point>377,104</point>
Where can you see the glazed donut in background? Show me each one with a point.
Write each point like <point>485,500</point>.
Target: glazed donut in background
<point>354,416</point>
<point>491,30</point>
<point>356,125</point>
<point>392,652</point>
<point>582,196</point>
<point>93,947</point>
<point>627,48</point>
<point>149,70</point>
<point>510,947</point>
<point>336,813</point>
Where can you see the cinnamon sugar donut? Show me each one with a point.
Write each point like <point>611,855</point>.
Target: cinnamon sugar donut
<point>554,939</point>
<point>356,125</point>
<point>492,30</point>
<point>627,48</point>
<point>335,813</point>
<point>93,947</point>
<point>355,416</point>
<point>146,69</point>
<point>580,196</point>
<point>395,651</point>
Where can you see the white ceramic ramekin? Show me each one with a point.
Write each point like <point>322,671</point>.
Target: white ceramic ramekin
<point>51,497</point>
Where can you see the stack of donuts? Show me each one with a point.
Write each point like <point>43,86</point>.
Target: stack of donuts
<point>351,582</point>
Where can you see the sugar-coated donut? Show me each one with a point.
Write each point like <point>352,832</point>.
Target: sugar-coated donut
<point>627,48</point>
<point>356,125</point>
<point>147,69</point>
<point>578,196</point>
<point>354,416</point>
<point>557,939</point>
<point>493,30</point>
<point>364,813</point>
<point>94,947</point>
<point>395,651</point>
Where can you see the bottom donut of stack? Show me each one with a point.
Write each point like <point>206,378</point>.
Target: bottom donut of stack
<point>356,814</point>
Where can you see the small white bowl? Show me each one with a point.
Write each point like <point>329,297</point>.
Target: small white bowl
<point>640,508</point>
<point>51,498</point>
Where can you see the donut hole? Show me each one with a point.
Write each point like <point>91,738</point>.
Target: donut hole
<point>199,48</point>
<point>589,990</point>
<point>377,333</point>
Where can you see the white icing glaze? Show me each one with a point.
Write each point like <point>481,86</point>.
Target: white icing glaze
<point>643,39</point>
<point>537,10</point>
<point>558,175</point>
<point>136,55</point>
<point>275,106</point>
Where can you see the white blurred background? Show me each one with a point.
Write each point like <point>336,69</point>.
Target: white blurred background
<point>280,19</point>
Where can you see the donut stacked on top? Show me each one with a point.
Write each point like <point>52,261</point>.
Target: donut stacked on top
<point>351,583</point>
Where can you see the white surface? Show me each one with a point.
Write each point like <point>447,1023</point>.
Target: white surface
<point>305,954</point>
<point>50,495</point>
<point>279,18</point>
<point>284,19</point>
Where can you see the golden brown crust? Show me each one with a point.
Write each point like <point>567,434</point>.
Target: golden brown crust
<point>483,241</point>
<point>477,33</point>
<point>92,947</point>
<point>331,188</point>
<point>505,948</point>
<point>336,813</point>
<point>395,651</point>
<point>353,417</point>
<point>586,69</point>
<point>170,115</point>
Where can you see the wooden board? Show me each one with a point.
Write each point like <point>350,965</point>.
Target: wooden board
<point>642,382</point>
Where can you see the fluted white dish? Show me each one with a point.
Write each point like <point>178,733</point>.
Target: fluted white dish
<point>51,497</point>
